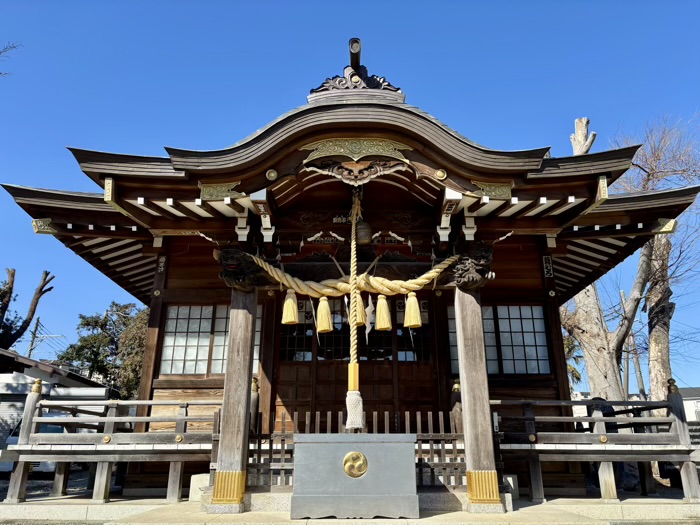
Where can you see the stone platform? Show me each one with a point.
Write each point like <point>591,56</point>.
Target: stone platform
<point>562,511</point>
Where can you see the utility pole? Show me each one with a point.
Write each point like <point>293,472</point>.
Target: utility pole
<point>37,338</point>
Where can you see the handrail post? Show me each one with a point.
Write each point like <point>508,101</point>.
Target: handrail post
<point>534,465</point>
<point>689,473</point>
<point>646,479</point>
<point>174,493</point>
<point>606,472</point>
<point>17,490</point>
<point>103,473</point>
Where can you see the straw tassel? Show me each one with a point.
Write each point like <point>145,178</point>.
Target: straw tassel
<point>412,314</point>
<point>382,321</point>
<point>360,314</point>
<point>324,319</point>
<point>290,314</point>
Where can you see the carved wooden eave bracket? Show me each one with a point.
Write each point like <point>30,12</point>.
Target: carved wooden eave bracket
<point>238,271</point>
<point>473,269</point>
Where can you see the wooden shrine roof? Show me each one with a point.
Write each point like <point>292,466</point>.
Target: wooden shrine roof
<point>291,182</point>
<point>94,230</point>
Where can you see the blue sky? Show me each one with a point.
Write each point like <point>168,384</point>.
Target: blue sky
<point>132,77</point>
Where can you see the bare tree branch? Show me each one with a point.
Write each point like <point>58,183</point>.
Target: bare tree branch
<point>7,48</point>
<point>6,293</point>
<point>40,291</point>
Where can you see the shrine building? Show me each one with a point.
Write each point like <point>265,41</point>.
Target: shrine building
<point>356,258</point>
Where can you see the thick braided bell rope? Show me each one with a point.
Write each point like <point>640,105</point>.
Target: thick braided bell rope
<point>354,290</point>
<point>353,399</point>
<point>365,282</point>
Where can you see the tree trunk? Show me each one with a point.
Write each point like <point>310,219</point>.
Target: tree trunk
<point>660,311</point>
<point>592,335</point>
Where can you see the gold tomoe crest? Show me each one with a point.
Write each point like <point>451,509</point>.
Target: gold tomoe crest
<point>355,464</point>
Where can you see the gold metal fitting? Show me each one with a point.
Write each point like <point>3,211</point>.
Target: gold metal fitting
<point>179,438</point>
<point>355,464</point>
<point>441,174</point>
<point>36,387</point>
<point>532,438</point>
<point>603,439</point>
<point>229,487</point>
<point>107,439</point>
<point>156,293</point>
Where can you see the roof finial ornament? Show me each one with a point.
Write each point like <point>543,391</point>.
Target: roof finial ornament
<point>355,45</point>
<point>355,77</point>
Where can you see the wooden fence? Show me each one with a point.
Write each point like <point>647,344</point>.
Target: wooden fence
<point>439,449</point>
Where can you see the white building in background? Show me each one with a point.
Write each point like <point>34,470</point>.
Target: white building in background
<point>691,402</point>
<point>17,375</point>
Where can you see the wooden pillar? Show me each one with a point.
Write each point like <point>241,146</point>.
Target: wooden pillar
<point>151,351</point>
<point>482,480</point>
<point>229,483</point>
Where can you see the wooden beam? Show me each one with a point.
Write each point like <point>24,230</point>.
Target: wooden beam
<point>527,209</point>
<point>146,203</point>
<point>98,230</point>
<point>110,197</point>
<point>564,204</point>
<point>612,231</point>
<point>478,204</point>
<point>231,203</point>
<point>507,205</point>
<point>204,205</point>
<point>178,206</point>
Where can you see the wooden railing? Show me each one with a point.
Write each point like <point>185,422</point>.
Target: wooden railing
<point>619,431</point>
<point>101,432</point>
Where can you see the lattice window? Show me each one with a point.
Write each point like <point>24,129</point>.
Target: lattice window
<point>515,339</point>
<point>195,339</point>
<point>523,337</point>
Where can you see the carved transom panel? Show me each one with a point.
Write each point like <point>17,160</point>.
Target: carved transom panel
<point>355,149</point>
<point>325,158</point>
